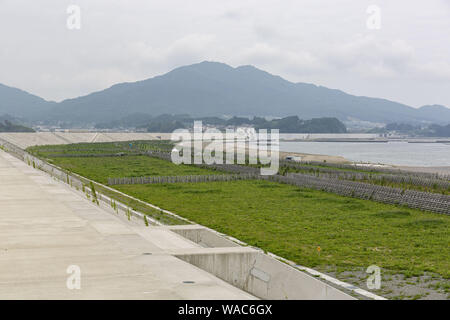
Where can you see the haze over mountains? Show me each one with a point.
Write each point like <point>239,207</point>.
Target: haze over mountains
<point>19,103</point>
<point>216,89</point>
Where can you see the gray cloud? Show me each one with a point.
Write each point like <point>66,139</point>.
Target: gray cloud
<point>322,42</point>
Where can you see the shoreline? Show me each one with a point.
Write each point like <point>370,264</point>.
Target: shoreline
<point>442,170</point>
<point>315,157</point>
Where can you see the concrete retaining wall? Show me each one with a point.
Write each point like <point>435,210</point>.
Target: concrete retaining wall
<point>203,237</point>
<point>251,270</point>
<point>28,139</point>
<point>263,276</point>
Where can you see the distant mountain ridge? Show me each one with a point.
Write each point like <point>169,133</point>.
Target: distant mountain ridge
<point>215,89</point>
<point>19,103</point>
<point>433,111</point>
<point>7,126</point>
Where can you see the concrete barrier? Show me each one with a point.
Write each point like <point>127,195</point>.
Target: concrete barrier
<point>203,236</point>
<point>28,139</point>
<point>250,269</point>
<point>261,275</point>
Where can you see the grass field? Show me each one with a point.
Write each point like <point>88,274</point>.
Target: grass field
<point>126,147</point>
<point>102,168</point>
<point>293,222</point>
<point>402,185</point>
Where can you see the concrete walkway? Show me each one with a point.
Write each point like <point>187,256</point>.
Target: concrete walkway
<point>45,227</point>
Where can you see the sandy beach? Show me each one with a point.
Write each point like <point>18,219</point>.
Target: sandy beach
<point>441,170</point>
<point>438,170</point>
<point>314,157</point>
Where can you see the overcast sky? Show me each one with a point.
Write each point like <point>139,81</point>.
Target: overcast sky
<point>325,42</point>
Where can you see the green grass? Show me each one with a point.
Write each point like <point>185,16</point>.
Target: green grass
<point>102,168</point>
<point>317,167</point>
<point>283,219</point>
<point>401,185</point>
<point>292,223</point>
<point>143,208</point>
<point>127,147</point>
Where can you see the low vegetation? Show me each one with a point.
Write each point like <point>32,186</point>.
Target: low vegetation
<point>377,178</point>
<point>169,123</point>
<point>432,130</point>
<point>289,221</point>
<point>293,222</point>
<point>101,168</point>
<point>105,148</point>
<point>7,126</point>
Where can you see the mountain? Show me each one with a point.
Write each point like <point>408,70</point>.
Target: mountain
<point>215,89</point>
<point>133,120</point>
<point>433,130</point>
<point>19,103</point>
<point>434,112</point>
<point>7,126</point>
<point>7,117</point>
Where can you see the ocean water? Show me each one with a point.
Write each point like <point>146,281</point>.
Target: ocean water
<point>395,153</point>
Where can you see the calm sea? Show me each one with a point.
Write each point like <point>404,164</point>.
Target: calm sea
<point>396,153</point>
